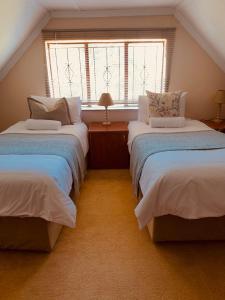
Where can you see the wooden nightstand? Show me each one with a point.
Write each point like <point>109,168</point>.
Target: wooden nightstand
<point>108,146</point>
<point>217,126</point>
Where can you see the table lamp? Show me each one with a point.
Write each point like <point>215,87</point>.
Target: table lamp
<point>219,99</point>
<point>106,100</point>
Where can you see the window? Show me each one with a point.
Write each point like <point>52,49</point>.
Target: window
<point>87,68</point>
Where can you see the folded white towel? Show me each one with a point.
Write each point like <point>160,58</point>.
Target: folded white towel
<point>33,124</point>
<point>169,122</point>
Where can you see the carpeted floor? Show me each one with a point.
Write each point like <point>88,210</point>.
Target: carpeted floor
<point>107,257</point>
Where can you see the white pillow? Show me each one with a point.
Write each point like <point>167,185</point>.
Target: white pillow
<point>75,109</point>
<point>167,122</point>
<point>183,98</point>
<point>143,107</point>
<point>74,105</point>
<point>33,124</point>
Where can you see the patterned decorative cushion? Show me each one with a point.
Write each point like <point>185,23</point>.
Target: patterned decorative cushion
<point>164,104</point>
<point>59,112</point>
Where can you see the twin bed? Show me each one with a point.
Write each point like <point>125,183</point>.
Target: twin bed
<point>39,169</point>
<point>179,176</point>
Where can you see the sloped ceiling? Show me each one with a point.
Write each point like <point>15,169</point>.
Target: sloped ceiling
<point>205,20</point>
<point>17,19</point>
<point>22,20</point>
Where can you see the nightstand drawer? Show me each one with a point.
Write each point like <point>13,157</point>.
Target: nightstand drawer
<point>108,150</point>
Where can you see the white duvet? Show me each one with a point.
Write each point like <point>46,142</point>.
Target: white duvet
<point>189,184</point>
<point>39,185</point>
<point>34,194</point>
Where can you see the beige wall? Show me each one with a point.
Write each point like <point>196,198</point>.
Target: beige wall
<point>192,70</point>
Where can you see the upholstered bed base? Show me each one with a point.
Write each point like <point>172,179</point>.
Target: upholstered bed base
<point>173,228</point>
<point>28,233</point>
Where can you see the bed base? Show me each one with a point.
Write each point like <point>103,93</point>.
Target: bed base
<point>28,233</point>
<point>173,228</point>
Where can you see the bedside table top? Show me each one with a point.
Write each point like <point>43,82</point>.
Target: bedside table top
<point>217,126</point>
<point>113,127</point>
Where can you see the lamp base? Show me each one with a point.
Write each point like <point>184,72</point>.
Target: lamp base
<point>218,115</point>
<point>106,123</point>
<point>217,120</point>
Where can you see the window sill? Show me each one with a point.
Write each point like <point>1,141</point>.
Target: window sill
<point>113,107</point>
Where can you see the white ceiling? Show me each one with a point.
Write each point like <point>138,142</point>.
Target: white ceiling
<point>22,20</point>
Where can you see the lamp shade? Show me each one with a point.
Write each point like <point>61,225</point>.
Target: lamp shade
<point>220,97</point>
<point>105,100</point>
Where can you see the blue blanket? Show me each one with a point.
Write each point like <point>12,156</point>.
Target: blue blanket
<point>66,146</point>
<point>148,144</point>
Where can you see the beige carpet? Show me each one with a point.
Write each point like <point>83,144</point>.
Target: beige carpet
<point>107,257</point>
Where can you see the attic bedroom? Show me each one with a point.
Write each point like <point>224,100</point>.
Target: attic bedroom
<point>112,149</point>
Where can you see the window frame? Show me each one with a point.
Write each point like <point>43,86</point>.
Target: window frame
<point>166,36</point>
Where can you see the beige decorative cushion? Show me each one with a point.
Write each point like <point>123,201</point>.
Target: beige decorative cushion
<point>59,112</point>
<point>164,104</point>
<point>74,105</point>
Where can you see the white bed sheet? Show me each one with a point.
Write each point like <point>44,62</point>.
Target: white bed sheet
<point>189,184</point>
<point>35,194</point>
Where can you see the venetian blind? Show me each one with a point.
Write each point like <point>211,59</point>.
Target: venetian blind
<point>123,62</point>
